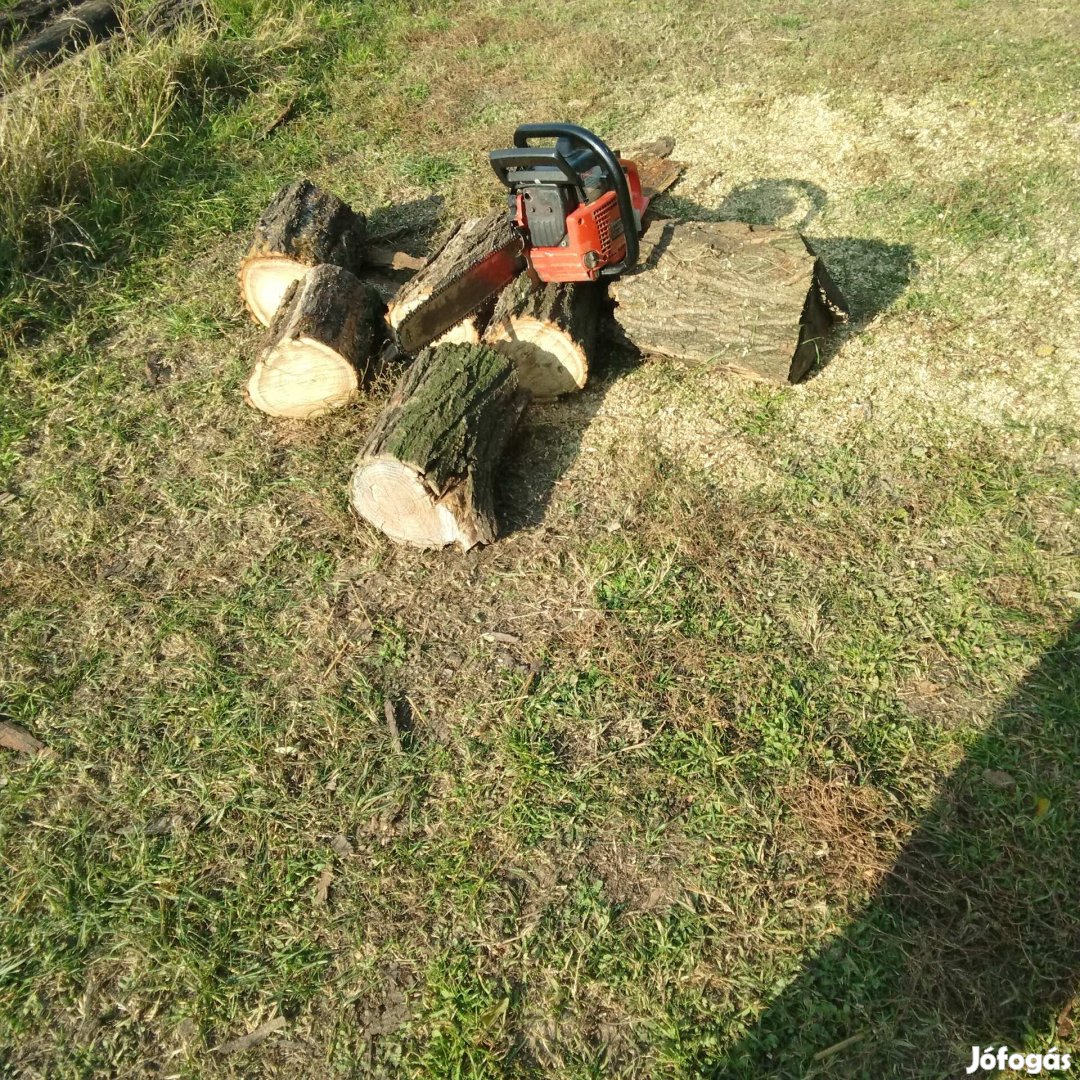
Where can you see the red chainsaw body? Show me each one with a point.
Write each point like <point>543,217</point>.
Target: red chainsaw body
<point>595,235</point>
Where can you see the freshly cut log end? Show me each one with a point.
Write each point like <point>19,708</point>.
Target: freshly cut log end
<point>465,246</point>
<point>425,476</point>
<point>548,332</point>
<point>396,499</point>
<point>302,227</point>
<point>751,298</point>
<point>317,348</point>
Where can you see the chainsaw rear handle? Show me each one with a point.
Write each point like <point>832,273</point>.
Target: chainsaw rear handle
<point>553,156</point>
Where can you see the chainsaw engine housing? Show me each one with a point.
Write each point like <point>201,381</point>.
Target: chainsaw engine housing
<point>572,202</point>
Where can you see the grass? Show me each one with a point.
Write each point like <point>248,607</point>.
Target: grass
<point>772,770</point>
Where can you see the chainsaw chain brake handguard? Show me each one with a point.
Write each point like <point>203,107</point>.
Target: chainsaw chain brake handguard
<point>576,155</point>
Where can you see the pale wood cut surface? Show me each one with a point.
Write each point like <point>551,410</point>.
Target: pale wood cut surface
<point>426,473</point>
<point>317,348</point>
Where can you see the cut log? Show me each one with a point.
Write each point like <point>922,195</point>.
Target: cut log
<point>426,474</point>
<point>302,227</point>
<point>464,246</point>
<point>72,30</point>
<point>470,331</point>
<point>318,346</point>
<point>752,298</point>
<point>548,331</point>
<point>25,17</point>
<point>467,332</point>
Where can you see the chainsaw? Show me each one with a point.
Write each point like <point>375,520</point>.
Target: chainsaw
<point>576,212</point>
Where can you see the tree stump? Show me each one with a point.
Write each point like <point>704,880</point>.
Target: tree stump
<point>548,330</point>
<point>318,346</point>
<point>752,298</point>
<point>425,475</point>
<point>468,243</point>
<point>302,227</point>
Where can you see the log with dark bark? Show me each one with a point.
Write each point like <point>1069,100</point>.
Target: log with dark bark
<point>70,31</point>
<point>752,298</point>
<point>302,227</point>
<point>317,348</point>
<point>464,246</point>
<point>425,475</point>
<point>26,17</point>
<point>548,330</point>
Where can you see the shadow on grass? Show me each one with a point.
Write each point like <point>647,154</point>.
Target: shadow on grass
<point>871,274</point>
<point>974,936</point>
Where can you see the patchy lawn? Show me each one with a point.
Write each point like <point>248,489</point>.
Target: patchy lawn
<point>750,750</point>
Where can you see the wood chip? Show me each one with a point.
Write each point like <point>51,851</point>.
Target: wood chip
<point>16,738</point>
<point>163,826</point>
<point>252,1038</point>
<point>341,846</point>
<point>391,724</point>
<point>322,887</point>
<point>282,119</point>
<point>391,259</point>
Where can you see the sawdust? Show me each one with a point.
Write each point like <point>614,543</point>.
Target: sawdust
<point>980,363</point>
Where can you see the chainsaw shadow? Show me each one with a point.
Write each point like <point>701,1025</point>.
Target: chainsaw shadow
<point>872,275</point>
<point>973,936</point>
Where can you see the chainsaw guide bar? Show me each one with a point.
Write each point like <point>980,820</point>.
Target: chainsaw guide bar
<point>461,296</point>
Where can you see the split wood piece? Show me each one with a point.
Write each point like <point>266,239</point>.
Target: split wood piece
<point>462,249</point>
<point>72,30</point>
<point>425,476</point>
<point>656,172</point>
<point>751,298</point>
<point>302,227</point>
<point>388,258</point>
<point>548,330</point>
<point>318,346</point>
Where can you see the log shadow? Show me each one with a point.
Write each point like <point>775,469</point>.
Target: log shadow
<point>546,445</point>
<point>412,226</point>
<point>973,938</point>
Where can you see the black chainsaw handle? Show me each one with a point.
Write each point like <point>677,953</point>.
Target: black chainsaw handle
<point>582,136</point>
<point>529,157</point>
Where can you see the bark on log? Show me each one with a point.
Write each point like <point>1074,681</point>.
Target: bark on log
<point>317,349</point>
<point>548,331</point>
<point>425,475</point>
<point>72,30</point>
<point>462,248</point>
<point>302,227</point>
<point>655,169</point>
<point>26,17</point>
<point>753,298</point>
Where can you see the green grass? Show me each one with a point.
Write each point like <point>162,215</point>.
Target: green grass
<point>726,801</point>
